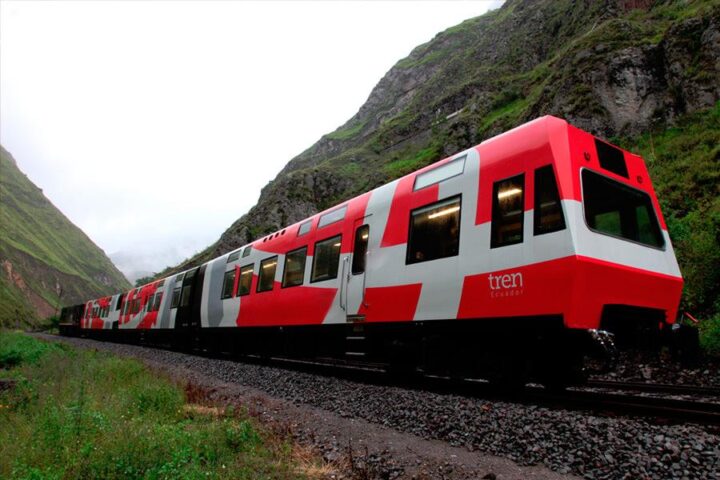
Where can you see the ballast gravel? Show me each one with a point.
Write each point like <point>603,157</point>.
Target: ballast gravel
<point>653,368</point>
<point>568,442</point>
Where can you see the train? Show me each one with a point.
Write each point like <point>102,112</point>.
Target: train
<point>523,258</point>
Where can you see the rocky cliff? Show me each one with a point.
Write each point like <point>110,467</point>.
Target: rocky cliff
<point>621,69</point>
<point>45,260</point>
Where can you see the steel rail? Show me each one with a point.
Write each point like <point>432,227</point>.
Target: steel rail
<point>655,387</point>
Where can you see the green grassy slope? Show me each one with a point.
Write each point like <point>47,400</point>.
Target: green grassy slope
<point>42,253</point>
<point>684,163</point>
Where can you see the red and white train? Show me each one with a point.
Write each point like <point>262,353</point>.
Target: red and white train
<point>510,259</point>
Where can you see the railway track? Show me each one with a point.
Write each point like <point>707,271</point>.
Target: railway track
<point>612,403</point>
<point>661,408</point>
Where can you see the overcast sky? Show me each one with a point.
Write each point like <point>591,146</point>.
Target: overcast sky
<point>154,125</point>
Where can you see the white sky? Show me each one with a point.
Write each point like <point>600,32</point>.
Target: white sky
<point>154,125</point>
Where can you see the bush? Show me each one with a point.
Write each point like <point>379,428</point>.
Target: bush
<point>710,335</point>
<point>16,349</point>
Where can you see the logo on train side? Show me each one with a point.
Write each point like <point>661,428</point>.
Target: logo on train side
<point>506,285</point>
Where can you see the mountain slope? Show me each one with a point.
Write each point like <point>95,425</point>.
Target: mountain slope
<point>43,255</point>
<point>617,68</point>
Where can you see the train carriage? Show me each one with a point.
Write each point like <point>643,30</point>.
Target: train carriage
<point>513,257</point>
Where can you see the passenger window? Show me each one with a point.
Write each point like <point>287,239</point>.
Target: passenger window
<point>548,216</point>
<point>185,296</point>
<point>326,258</point>
<point>158,299</point>
<point>508,212</point>
<point>266,279</point>
<point>294,273</point>
<point>360,252</point>
<point>175,298</point>
<point>228,284</point>
<point>149,304</point>
<point>120,301</point>
<point>245,282</point>
<point>434,231</point>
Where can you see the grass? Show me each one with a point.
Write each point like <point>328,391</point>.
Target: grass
<point>405,165</point>
<point>81,414</point>
<point>424,59</point>
<point>346,133</point>
<point>684,165</point>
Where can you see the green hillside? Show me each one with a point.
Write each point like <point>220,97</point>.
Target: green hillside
<point>643,73</point>
<point>43,255</point>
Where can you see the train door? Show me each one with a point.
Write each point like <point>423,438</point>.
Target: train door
<point>184,318</point>
<point>354,277</point>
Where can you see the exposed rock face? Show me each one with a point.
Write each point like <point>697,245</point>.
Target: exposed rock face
<point>612,67</point>
<point>628,90</point>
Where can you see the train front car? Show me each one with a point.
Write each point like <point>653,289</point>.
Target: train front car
<point>627,277</point>
<point>576,235</point>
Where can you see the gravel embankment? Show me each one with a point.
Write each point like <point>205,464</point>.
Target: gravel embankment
<point>590,446</point>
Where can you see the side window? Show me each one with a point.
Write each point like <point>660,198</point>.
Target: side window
<point>228,284</point>
<point>266,279</point>
<point>158,299</point>
<point>304,228</point>
<point>508,212</point>
<point>434,231</point>
<point>245,283</point>
<point>120,301</point>
<point>326,258</point>
<point>150,302</point>
<point>233,256</point>
<point>332,217</point>
<point>247,251</point>
<point>175,298</point>
<point>448,170</point>
<point>548,216</point>
<point>294,272</point>
<point>360,250</point>
<point>185,296</point>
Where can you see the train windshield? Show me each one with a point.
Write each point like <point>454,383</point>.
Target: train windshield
<point>615,209</point>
